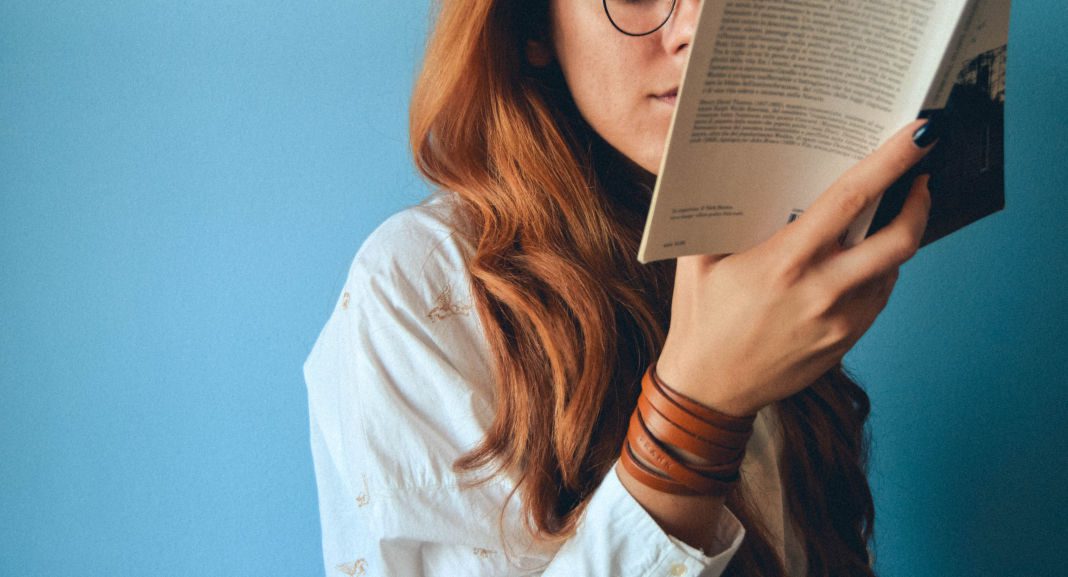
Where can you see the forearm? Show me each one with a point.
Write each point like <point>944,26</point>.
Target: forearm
<point>691,519</point>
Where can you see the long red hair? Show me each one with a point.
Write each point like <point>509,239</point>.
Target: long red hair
<point>555,217</point>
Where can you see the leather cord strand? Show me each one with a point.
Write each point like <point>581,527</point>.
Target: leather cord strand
<point>666,421</point>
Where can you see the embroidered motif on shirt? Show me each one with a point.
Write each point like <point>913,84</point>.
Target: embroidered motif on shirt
<point>365,497</point>
<point>354,569</point>
<point>444,307</point>
<point>483,553</point>
<point>345,301</point>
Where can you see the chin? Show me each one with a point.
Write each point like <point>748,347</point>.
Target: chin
<point>651,157</point>
<point>651,163</point>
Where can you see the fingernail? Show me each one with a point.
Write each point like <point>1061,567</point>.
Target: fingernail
<point>930,132</point>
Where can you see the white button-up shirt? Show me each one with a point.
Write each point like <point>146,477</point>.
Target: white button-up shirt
<point>399,386</point>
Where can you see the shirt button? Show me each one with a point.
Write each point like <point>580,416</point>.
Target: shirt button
<point>678,569</point>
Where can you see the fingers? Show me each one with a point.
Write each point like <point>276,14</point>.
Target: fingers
<point>879,288</point>
<point>889,248</point>
<point>836,209</point>
<point>863,305</point>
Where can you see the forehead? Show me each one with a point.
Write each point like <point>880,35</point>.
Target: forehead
<point>584,18</point>
<point>583,27</point>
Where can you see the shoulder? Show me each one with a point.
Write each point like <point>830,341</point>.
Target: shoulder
<point>409,280</point>
<point>415,250</point>
<point>405,351</point>
<point>413,266</point>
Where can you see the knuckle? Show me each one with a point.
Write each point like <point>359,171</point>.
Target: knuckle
<point>787,272</point>
<point>839,330</point>
<point>851,199</point>
<point>901,159</point>
<point>824,304</point>
<point>906,248</point>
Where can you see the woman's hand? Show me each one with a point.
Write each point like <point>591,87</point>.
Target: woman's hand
<point>751,328</point>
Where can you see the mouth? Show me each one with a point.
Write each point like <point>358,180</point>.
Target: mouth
<point>668,96</point>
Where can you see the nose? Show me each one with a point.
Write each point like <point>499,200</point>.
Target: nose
<point>679,30</point>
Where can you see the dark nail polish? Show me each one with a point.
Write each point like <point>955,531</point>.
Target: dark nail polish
<point>930,132</point>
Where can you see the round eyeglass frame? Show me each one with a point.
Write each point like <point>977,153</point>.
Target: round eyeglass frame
<point>658,26</point>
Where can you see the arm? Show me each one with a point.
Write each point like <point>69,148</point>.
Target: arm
<point>694,520</point>
<point>621,537</point>
<point>395,398</point>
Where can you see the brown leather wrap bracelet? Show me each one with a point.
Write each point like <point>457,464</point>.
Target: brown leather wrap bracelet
<point>674,435</point>
<point>742,424</point>
<point>665,419</point>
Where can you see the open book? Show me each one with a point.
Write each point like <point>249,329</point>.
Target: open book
<point>780,97</point>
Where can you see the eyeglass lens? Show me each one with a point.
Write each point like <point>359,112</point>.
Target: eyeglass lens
<point>638,17</point>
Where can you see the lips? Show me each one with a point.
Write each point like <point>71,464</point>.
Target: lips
<point>667,96</point>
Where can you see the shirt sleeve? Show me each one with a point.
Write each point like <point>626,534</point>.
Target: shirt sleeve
<point>399,388</point>
<point>617,536</point>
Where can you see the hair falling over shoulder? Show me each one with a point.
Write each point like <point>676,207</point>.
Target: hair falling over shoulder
<point>555,216</point>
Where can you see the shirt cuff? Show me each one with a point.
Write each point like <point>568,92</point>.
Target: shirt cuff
<point>617,536</point>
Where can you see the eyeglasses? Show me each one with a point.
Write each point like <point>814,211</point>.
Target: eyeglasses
<point>638,17</point>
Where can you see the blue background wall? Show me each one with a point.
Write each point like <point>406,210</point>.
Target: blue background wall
<point>183,185</point>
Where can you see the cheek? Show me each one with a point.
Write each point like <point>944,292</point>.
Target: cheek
<point>606,74</point>
<point>632,123</point>
<point>613,103</point>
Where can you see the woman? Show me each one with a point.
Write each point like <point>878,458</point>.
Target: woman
<point>473,396</point>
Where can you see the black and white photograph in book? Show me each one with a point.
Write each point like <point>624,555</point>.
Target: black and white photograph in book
<point>967,166</point>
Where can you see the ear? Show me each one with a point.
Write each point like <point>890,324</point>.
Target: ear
<point>538,54</point>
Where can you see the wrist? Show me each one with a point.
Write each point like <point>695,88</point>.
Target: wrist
<point>690,519</point>
<point>719,396</point>
<point>666,424</point>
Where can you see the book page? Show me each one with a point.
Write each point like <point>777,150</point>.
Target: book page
<point>778,99</point>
